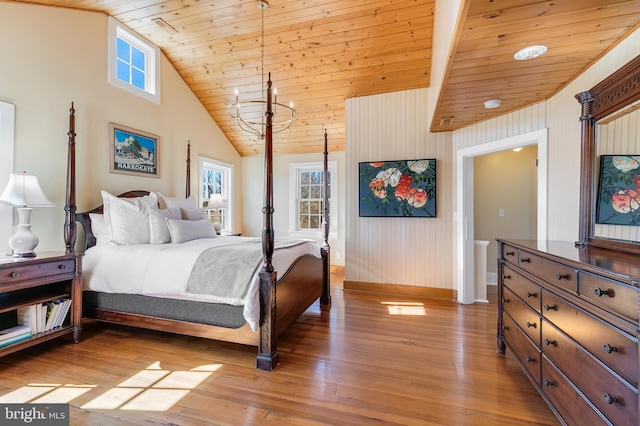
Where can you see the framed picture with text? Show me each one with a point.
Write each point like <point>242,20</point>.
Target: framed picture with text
<point>133,152</point>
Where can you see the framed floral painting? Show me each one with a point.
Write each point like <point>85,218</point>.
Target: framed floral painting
<point>618,200</point>
<point>397,188</point>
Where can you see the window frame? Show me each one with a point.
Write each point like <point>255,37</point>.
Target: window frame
<point>227,186</point>
<point>294,178</point>
<point>152,61</point>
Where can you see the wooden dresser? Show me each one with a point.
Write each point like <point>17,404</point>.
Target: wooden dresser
<point>569,315</point>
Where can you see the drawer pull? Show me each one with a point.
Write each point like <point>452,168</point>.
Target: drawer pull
<point>529,359</point>
<point>609,399</point>
<point>15,274</point>
<point>560,276</point>
<point>529,294</point>
<point>509,253</point>
<point>599,292</point>
<point>62,266</point>
<point>504,327</point>
<point>505,300</point>
<point>530,324</point>
<point>549,342</point>
<point>506,277</point>
<point>549,308</point>
<point>609,349</point>
<point>547,382</point>
<point>525,260</point>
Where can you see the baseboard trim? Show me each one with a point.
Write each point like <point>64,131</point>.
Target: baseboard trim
<point>399,290</point>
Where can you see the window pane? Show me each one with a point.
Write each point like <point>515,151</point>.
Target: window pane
<point>315,222</point>
<point>329,177</point>
<point>316,177</point>
<point>123,71</point>
<point>304,207</point>
<point>123,50</point>
<point>137,59</point>
<point>137,78</point>
<point>316,192</point>
<point>305,178</point>
<point>304,222</point>
<point>304,192</point>
<point>314,207</point>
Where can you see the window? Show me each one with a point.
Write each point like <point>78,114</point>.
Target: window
<point>133,62</point>
<point>307,197</point>
<point>216,177</point>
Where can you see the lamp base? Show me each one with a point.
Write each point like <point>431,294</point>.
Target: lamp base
<point>24,242</point>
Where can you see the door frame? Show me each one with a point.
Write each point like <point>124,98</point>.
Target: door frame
<point>463,217</point>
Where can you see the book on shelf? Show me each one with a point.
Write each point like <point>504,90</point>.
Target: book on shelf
<point>15,339</point>
<point>27,316</point>
<point>13,332</point>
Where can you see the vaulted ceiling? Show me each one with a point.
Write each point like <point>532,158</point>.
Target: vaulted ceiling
<point>321,52</point>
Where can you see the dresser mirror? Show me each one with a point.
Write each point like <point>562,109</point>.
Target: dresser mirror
<point>611,134</point>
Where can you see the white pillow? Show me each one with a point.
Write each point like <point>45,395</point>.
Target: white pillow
<point>169,202</point>
<point>99,228</point>
<point>158,228</point>
<point>187,230</point>
<point>193,214</point>
<point>127,219</point>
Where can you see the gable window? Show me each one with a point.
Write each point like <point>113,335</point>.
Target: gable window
<point>216,178</point>
<point>134,63</point>
<point>307,201</point>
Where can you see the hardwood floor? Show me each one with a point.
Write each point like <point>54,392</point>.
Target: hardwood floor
<point>370,360</point>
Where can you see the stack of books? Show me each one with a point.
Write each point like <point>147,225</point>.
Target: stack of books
<point>44,316</point>
<point>15,334</point>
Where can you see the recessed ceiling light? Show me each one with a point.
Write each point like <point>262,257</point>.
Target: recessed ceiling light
<point>530,52</point>
<point>493,103</point>
<point>518,149</point>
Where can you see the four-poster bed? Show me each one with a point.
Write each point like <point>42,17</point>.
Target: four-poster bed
<point>281,297</point>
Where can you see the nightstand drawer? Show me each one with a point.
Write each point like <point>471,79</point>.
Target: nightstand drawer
<point>27,272</point>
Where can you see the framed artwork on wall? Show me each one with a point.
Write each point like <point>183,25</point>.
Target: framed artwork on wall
<point>618,201</point>
<point>397,188</point>
<point>133,152</point>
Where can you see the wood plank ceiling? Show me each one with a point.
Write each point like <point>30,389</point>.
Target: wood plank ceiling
<point>321,52</point>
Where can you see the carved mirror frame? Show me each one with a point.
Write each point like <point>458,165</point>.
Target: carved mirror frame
<point>615,92</point>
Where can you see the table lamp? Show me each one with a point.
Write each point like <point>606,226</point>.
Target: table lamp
<point>24,192</point>
<point>216,203</point>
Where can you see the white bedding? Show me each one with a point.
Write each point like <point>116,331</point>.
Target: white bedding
<point>163,270</point>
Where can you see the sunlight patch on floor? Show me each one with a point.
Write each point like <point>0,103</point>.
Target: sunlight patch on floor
<point>405,308</point>
<point>151,389</point>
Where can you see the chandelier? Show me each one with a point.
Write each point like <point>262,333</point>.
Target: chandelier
<point>250,114</point>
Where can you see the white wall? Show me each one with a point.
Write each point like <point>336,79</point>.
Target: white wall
<point>253,198</point>
<point>406,251</point>
<point>53,56</point>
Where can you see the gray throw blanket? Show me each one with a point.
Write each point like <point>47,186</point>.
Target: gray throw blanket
<point>226,271</point>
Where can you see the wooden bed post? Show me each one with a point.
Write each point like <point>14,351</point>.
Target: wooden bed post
<point>325,299</point>
<point>268,356</point>
<point>187,190</point>
<point>70,206</point>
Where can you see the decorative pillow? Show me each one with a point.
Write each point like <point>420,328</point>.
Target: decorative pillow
<point>193,214</point>
<point>187,230</point>
<point>99,228</point>
<point>169,202</point>
<point>127,219</point>
<point>158,228</point>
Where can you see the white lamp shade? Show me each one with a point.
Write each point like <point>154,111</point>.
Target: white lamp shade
<point>24,190</point>
<point>216,202</point>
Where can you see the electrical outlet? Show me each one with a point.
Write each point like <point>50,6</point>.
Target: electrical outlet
<point>338,254</point>
<point>501,212</point>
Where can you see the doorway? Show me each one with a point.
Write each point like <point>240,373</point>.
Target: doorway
<point>464,216</point>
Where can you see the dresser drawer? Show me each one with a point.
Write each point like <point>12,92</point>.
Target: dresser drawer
<point>526,318</point>
<point>619,298</point>
<point>27,272</point>
<point>523,349</point>
<point>510,254</point>
<point>615,399</point>
<point>522,287</point>
<point>614,348</point>
<point>550,271</point>
<point>566,400</point>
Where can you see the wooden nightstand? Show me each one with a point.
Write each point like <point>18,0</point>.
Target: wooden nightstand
<point>27,281</point>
